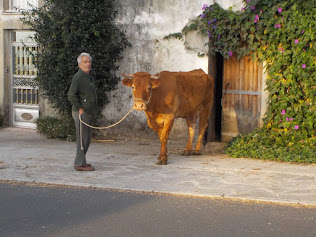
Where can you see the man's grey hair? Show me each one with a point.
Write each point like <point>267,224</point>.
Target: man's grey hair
<point>83,54</point>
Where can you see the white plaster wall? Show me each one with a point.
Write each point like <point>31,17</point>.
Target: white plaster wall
<point>235,5</point>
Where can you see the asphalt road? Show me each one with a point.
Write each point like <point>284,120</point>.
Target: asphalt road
<point>28,210</point>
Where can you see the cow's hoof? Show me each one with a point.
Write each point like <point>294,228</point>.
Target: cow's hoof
<point>186,153</point>
<point>159,162</point>
<point>196,153</point>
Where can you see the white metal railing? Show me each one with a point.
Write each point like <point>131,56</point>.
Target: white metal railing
<point>24,57</point>
<point>15,5</point>
<point>25,96</point>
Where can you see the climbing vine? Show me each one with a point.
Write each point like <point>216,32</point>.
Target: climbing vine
<point>281,34</point>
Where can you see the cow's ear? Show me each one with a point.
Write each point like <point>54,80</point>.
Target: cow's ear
<point>127,82</point>
<point>154,83</point>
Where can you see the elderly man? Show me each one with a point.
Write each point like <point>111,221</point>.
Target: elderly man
<point>83,98</point>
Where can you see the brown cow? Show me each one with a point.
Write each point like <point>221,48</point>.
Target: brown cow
<point>173,95</point>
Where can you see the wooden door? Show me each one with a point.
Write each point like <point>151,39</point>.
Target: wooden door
<point>242,94</point>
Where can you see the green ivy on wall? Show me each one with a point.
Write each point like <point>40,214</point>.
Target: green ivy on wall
<point>281,34</point>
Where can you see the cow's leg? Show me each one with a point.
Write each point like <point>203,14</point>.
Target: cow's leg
<point>203,123</point>
<point>163,136</point>
<point>191,122</point>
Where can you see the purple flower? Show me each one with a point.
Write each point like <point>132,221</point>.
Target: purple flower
<point>253,7</point>
<point>302,32</point>
<point>255,21</point>
<point>209,22</point>
<point>296,127</point>
<point>214,19</point>
<point>204,6</point>
<point>230,53</point>
<point>277,26</point>
<point>296,41</point>
<point>283,112</point>
<point>257,17</point>
<point>214,26</point>
<point>202,16</point>
<point>304,65</point>
<point>281,49</point>
<point>290,119</point>
<point>242,9</point>
<point>280,9</point>
<point>248,0</point>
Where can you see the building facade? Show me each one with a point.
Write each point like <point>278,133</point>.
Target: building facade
<point>19,94</point>
<point>146,23</point>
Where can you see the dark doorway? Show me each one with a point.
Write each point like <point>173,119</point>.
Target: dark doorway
<point>216,69</point>
<point>219,61</point>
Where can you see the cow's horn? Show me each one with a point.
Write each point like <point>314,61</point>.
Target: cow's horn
<point>154,77</point>
<point>127,76</point>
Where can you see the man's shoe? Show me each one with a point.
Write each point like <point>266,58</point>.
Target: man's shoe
<point>83,165</point>
<point>84,168</point>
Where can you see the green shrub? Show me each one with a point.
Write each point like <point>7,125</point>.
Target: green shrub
<point>261,145</point>
<point>55,128</point>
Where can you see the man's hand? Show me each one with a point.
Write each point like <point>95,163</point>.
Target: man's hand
<point>81,111</point>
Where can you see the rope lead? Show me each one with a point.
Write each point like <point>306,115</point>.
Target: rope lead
<point>82,122</point>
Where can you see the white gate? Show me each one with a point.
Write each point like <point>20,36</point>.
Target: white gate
<point>25,108</point>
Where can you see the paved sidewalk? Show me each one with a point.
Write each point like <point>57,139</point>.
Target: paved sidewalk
<point>129,165</point>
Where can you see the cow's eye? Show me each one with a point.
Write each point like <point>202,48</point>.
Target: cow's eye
<point>133,87</point>
<point>148,88</point>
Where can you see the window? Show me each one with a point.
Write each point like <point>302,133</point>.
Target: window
<point>16,5</point>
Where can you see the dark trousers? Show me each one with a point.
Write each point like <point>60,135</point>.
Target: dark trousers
<point>83,136</point>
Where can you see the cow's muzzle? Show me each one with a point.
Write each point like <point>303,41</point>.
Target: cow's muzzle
<point>139,105</point>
